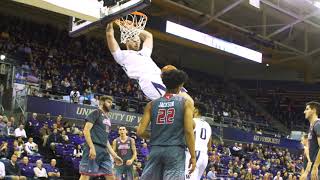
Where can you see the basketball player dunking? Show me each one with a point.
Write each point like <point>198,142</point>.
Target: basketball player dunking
<point>125,147</point>
<point>138,63</point>
<point>171,130</point>
<point>202,133</point>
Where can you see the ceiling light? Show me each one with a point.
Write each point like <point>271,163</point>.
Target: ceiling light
<point>2,57</point>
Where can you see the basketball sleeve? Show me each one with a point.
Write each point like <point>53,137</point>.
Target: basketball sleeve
<point>92,117</point>
<point>118,56</point>
<point>317,129</point>
<point>146,52</point>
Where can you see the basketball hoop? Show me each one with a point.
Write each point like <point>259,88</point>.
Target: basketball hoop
<point>131,26</point>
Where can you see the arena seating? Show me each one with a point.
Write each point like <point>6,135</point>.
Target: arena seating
<point>285,100</point>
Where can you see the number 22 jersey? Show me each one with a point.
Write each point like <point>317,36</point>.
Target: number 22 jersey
<point>167,121</point>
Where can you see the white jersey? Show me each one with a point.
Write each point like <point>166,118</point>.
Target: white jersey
<point>138,64</point>
<point>202,133</point>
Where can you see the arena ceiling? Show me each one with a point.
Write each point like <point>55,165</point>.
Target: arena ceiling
<point>286,31</point>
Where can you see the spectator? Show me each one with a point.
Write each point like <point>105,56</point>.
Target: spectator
<point>53,171</point>
<point>4,151</point>
<point>44,133</point>
<point>49,85</point>
<point>39,171</point>
<point>46,95</point>
<point>75,129</point>
<point>78,151</point>
<point>258,131</point>
<point>3,127</point>
<point>66,85</point>
<point>9,132</point>
<point>249,175</point>
<point>86,98</point>
<point>211,174</point>
<point>34,122</point>
<point>18,148</point>
<point>20,132</point>
<point>59,123</point>
<point>26,168</point>
<point>80,138</point>
<point>54,139</point>
<point>278,176</point>
<point>236,150</point>
<point>31,147</point>
<point>13,121</point>
<point>65,137</point>
<point>74,95</point>
<point>139,167</point>
<point>95,101</point>
<point>49,120</point>
<point>124,104</point>
<point>144,150</point>
<point>2,170</point>
<point>20,141</point>
<point>13,170</point>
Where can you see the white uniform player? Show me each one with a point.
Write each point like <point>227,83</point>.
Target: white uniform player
<point>138,63</point>
<point>202,133</point>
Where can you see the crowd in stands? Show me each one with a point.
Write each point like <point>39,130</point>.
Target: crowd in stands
<point>56,140</point>
<point>20,156</point>
<point>250,161</point>
<point>82,68</point>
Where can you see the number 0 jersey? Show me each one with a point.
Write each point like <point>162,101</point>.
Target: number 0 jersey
<point>167,121</point>
<point>202,134</point>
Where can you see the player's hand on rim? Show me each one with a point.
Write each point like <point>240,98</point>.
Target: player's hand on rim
<point>109,26</point>
<point>192,165</point>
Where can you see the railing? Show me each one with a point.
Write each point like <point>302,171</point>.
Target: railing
<point>20,100</point>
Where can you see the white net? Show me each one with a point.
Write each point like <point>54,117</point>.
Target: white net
<point>131,26</point>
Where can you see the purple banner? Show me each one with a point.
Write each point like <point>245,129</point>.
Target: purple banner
<point>77,111</point>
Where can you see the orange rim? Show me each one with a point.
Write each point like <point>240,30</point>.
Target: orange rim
<point>119,21</point>
<point>138,13</point>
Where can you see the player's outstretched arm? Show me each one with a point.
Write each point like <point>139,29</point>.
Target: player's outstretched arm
<point>147,39</point>
<point>112,42</point>
<point>188,131</point>
<point>144,123</point>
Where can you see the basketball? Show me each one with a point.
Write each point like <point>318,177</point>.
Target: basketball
<point>168,68</point>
